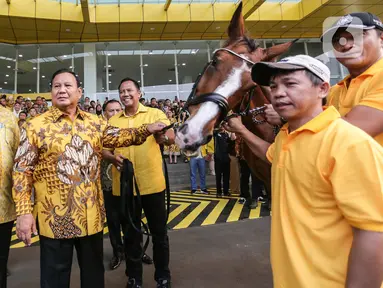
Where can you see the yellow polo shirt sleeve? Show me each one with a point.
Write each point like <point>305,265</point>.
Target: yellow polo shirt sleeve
<point>357,183</point>
<point>374,94</point>
<point>270,153</point>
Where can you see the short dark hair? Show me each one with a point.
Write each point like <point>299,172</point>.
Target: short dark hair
<point>109,102</point>
<point>315,80</point>
<point>153,99</point>
<point>18,97</point>
<point>23,112</point>
<point>132,80</point>
<point>64,70</point>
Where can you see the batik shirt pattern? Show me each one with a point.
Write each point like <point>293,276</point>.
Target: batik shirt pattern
<point>61,160</point>
<point>9,141</point>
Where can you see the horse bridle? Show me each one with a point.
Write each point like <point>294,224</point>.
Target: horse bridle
<point>221,100</point>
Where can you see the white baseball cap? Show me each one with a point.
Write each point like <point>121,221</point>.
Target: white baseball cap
<point>263,71</point>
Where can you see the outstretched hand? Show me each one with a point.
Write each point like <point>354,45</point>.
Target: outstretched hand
<point>156,127</point>
<point>234,124</point>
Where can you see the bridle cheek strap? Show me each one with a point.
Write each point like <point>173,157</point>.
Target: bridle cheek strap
<point>216,98</point>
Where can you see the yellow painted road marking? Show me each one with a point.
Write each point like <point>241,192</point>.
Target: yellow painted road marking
<point>192,216</point>
<point>213,216</point>
<point>235,212</point>
<point>208,196</point>
<point>189,199</point>
<point>178,211</point>
<point>21,244</point>
<point>189,208</point>
<point>255,213</point>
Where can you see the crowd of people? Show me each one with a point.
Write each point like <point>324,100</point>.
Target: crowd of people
<point>327,163</point>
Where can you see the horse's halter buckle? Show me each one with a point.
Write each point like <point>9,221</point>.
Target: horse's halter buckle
<point>219,99</point>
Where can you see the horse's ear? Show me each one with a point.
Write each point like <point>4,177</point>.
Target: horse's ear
<point>236,28</point>
<point>271,53</point>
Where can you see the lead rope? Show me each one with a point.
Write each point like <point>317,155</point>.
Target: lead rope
<point>128,202</point>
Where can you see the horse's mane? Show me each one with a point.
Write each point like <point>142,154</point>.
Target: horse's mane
<point>249,42</point>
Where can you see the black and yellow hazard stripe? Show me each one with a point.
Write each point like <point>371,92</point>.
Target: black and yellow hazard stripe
<point>188,210</point>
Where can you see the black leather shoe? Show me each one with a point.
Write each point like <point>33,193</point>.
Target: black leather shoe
<point>252,204</point>
<point>114,262</point>
<point>133,283</point>
<point>146,259</point>
<point>164,283</point>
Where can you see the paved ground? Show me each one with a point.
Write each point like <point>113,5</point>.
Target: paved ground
<point>218,256</point>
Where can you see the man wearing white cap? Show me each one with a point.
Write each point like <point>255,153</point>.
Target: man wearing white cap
<point>327,183</point>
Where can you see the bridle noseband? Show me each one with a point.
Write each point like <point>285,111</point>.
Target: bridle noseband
<point>221,100</point>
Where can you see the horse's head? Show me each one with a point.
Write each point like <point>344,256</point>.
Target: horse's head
<point>223,83</point>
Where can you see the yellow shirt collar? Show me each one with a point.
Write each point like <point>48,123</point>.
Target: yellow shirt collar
<point>370,71</point>
<point>318,123</point>
<point>57,113</point>
<point>141,109</point>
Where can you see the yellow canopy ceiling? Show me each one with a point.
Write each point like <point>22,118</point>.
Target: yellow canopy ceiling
<point>54,21</point>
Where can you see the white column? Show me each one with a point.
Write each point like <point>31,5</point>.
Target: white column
<point>264,44</point>
<point>38,70</point>
<point>176,70</point>
<point>306,48</point>
<point>72,58</point>
<point>208,52</point>
<point>107,68</point>
<point>16,68</point>
<point>142,70</point>
<point>90,71</point>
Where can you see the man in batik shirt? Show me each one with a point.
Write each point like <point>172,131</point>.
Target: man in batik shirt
<point>59,155</point>
<point>9,141</point>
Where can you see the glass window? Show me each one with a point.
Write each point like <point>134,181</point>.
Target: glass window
<point>27,71</point>
<point>124,61</point>
<point>296,49</point>
<point>159,69</point>
<point>314,49</point>
<point>7,64</point>
<point>101,49</point>
<point>53,58</point>
<point>158,62</point>
<point>192,57</point>
<point>78,56</point>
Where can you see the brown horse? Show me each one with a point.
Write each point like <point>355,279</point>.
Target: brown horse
<point>225,84</point>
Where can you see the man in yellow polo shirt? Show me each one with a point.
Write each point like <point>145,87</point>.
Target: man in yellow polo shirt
<point>359,97</point>
<point>327,184</point>
<point>147,164</point>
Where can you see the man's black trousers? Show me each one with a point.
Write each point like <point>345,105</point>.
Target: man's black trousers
<point>113,218</point>
<point>222,170</point>
<point>155,213</point>
<point>5,242</point>
<point>256,184</point>
<point>56,261</point>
